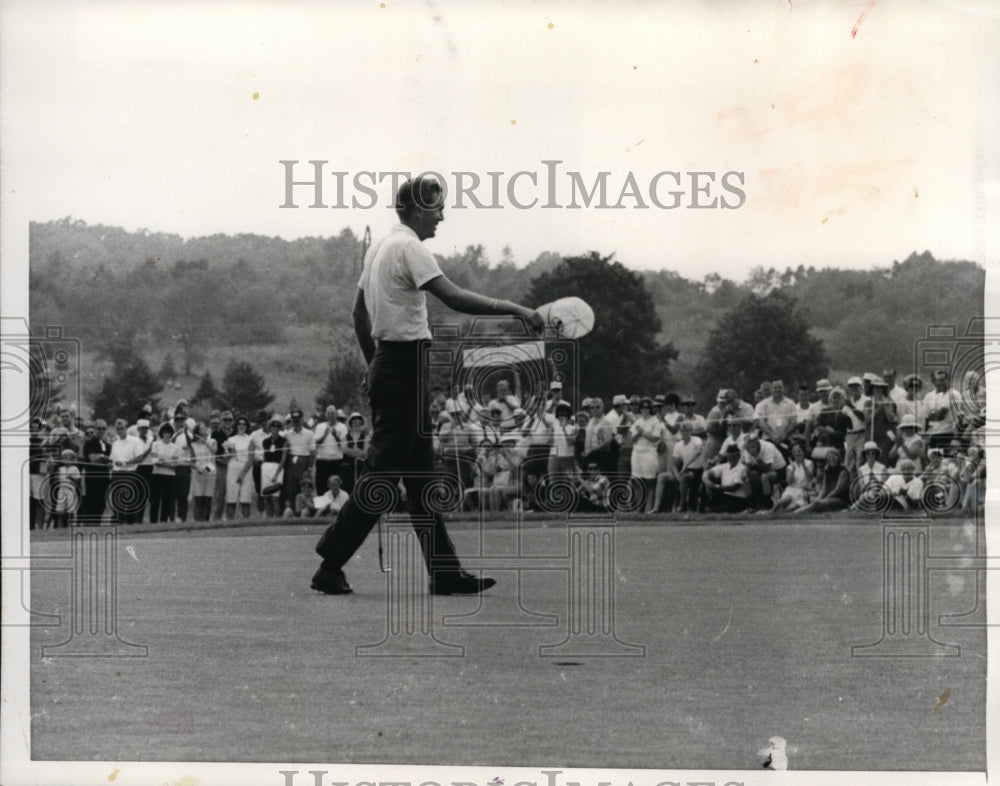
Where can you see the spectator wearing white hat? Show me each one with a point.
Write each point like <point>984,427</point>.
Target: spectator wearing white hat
<point>145,468</point>
<point>563,436</point>
<point>621,418</point>
<point>880,416</point>
<point>867,380</point>
<point>822,402</point>
<point>854,408</point>
<point>872,473</point>
<point>908,444</point>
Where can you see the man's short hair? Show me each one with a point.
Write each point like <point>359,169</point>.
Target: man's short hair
<point>421,191</point>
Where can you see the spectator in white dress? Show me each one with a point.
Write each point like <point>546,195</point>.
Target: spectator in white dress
<point>649,437</point>
<point>239,484</point>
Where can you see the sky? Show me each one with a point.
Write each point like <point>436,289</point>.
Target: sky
<point>853,132</point>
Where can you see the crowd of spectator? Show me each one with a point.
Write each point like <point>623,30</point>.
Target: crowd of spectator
<point>169,467</point>
<point>870,445</point>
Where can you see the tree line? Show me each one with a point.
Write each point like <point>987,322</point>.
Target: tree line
<point>124,292</point>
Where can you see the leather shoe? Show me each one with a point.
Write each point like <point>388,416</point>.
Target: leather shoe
<point>460,584</point>
<point>331,582</point>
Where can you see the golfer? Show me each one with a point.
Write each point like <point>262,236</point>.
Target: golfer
<point>390,321</point>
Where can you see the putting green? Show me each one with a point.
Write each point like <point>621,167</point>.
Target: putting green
<point>747,633</point>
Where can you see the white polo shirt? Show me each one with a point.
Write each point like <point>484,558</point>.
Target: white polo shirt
<point>395,269</point>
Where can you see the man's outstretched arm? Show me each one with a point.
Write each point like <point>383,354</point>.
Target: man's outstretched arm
<point>468,302</point>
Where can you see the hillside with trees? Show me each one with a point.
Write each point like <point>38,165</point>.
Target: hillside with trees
<point>192,307</point>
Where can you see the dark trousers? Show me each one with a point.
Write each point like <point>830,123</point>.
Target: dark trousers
<point>128,494</point>
<point>96,486</point>
<point>162,495</point>
<point>326,468</point>
<point>721,502</point>
<point>183,491</point>
<point>146,473</point>
<point>401,447</point>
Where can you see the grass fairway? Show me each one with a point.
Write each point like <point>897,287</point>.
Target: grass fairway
<point>747,632</point>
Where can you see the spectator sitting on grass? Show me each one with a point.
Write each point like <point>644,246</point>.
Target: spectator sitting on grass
<point>905,487</point>
<point>503,487</point>
<point>478,494</point>
<point>593,490</point>
<point>688,466</point>
<point>334,499</point>
<point>764,464</point>
<point>532,493</point>
<point>871,475</point>
<point>834,487</point>
<point>800,478</point>
<point>304,506</point>
<point>726,483</point>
